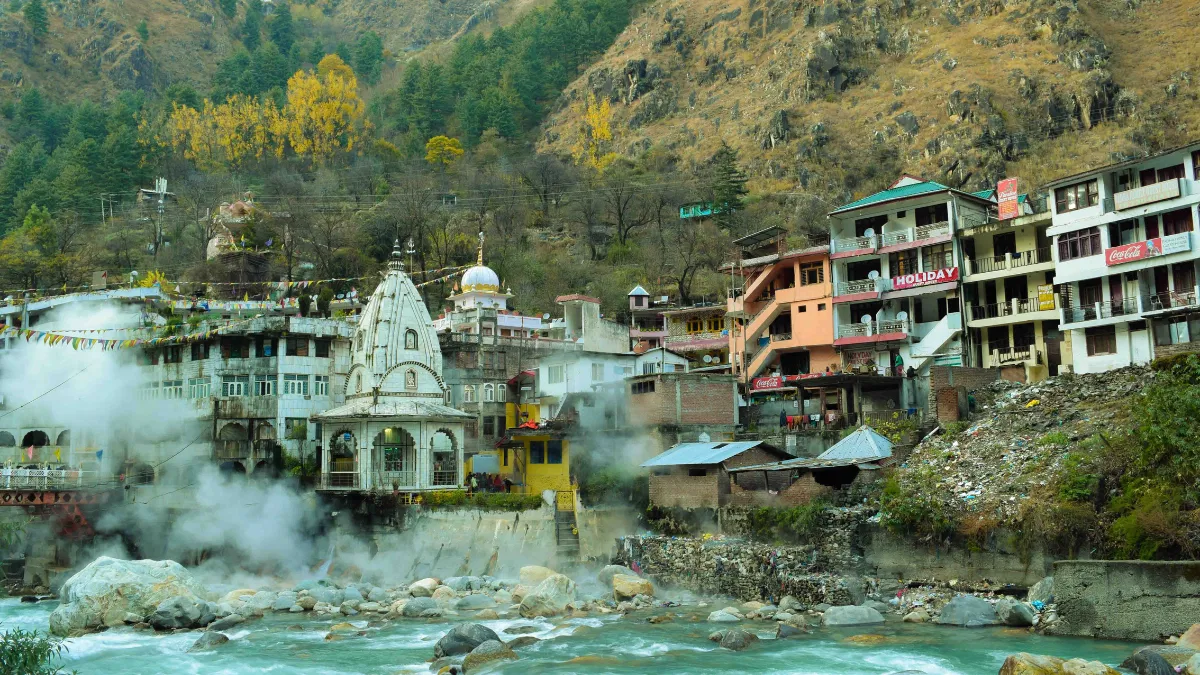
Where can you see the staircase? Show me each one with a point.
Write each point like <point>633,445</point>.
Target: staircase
<point>945,331</point>
<point>759,322</point>
<point>761,359</point>
<point>566,531</point>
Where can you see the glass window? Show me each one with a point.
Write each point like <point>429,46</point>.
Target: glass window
<point>172,388</point>
<point>489,426</point>
<point>556,375</point>
<point>297,346</point>
<point>199,351</point>
<point>812,273</point>
<point>173,355</point>
<point>1078,196</point>
<point>235,348</point>
<point>537,452</point>
<point>1177,222</point>
<point>322,349</point>
<point>501,392</point>
<point>1079,244</point>
<point>268,347</point>
<point>321,385</point>
<point>554,452</point>
<point>234,386</point>
<point>597,372</point>
<point>292,425</point>
<point>489,393</point>
<point>938,257</point>
<point>1101,340</point>
<point>469,393</point>
<point>295,385</point>
<point>930,215</point>
<point>264,385</point>
<point>198,387</point>
<point>903,262</point>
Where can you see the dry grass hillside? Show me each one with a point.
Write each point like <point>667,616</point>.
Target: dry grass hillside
<point>837,97</point>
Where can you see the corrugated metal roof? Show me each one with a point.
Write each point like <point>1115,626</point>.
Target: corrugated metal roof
<point>700,453</point>
<point>911,190</point>
<point>864,444</point>
<point>638,291</point>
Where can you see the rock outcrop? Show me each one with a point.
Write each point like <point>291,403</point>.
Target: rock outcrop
<point>968,611</point>
<point>549,598</point>
<point>1034,664</point>
<point>626,587</point>
<point>462,639</point>
<point>108,591</point>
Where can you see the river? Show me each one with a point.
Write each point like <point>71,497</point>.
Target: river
<point>284,644</point>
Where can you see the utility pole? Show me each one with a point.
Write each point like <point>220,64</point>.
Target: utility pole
<point>160,189</point>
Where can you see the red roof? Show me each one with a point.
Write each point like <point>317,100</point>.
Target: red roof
<point>577,296</point>
<point>523,373</point>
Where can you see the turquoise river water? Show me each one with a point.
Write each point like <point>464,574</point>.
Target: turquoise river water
<point>285,645</point>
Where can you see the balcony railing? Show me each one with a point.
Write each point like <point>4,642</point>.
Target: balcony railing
<point>1015,354</point>
<point>340,480</point>
<point>1002,309</point>
<point>406,478</point>
<point>846,330</point>
<point>781,337</point>
<point>1101,310</point>
<point>1011,261</point>
<point>445,479</point>
<point>1160,301</point>
<point>18,479</point>
<point>694,337</point>
<point>932,230</point>
<point>853,244</point>
<point>898,237</point>
<point>852,287</point>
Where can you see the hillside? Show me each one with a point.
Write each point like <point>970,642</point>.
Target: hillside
<point>837,97</point>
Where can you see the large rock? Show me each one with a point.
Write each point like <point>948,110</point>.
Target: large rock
<point>418,606</point>
<point>181,612</point>
<point>210,640</point>
<point>328,594</point>
<point>424,588</point>
<point>532,575</point>
<point>736,639</point>
<point>474,602</point>
<point>723,616</point>
<point>1146,662</point>
<point>226,623</point>
<point>444,594</point>
<point>284,601</point>
<point>1042,591</point>
<point>550,598</point>
<point>463,584</point>
<point>1190,638</point>
<point>492,650</point>
<point>108,590</point>
<point>627,587</point>
<point>850,615</point>
<point>1193,665</point>
<point>1172,654</point>
<point>968,611</point>
<point>1013,613</point>
<point>462,639</point>
<point>606,575</point>
<point>1034,664</point>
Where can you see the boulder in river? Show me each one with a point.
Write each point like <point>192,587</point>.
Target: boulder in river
<point>424,588</point>
<point>1035,664</point>
<point>784,630</point>
<point>549,598</point>
<point>918,615</point>
<point>606,575</point>
<point>627,587</point>
<point>1146,662</point>
<point>851,615</point>
<point>736,639</point>
<point>968,611</point>
<point>1190,638</point>
<point>462,639</point>
<point>107,590</point>
<point>226,623</point>
<point>1193,665</point>
<point>727,615</point>
<point>181,612</point>
<point>532,575</point>
<point>210,640</point>
<point>1014,613</point>
<point>473,602</point>
<point>418,606</point>
<point>464,584</point>
<point>444,594</point>
<point>1042,591</point>
<point>492,650</point>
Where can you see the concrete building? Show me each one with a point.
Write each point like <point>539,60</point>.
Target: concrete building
<point>1125,250</point>
<point>395,432</point>
<point>782,316</point>
<point>696,475</point>
<point>647,325</point>
<point>895,267</point>
<point>1011,310</point>
<point>699,333</point>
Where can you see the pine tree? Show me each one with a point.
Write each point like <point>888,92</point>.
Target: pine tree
<point>368,57</point>
<point>252,26</point>
<point>728,185</point>
<point>143,31</point>
<point>229,7</point>
<point>35,16</point>
<point>281,30</point>
<point>316,53</point>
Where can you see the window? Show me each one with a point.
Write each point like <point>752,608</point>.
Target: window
<point>1171,173</point>
<point>537,452</point>
<point>471,428</point>
<point>489,427</point>
<point>695,325</point>
<point>554,452</point>
<point>1101,340</point>
<point>501,392</point>
<point>172,389</point>
<point>1090,292</point>
<point>297,346</point>
<point>235,348</point>
<point>903,262</point>
<point>597,372</point>
<point>198,387</point>
<point>1177,330</point>
<point>802,309</point>
<point>173,355</point>
<point>489,393</point>
<point>1123,232</point>
<point>492,360</point>
<point>812,273</point>
<point>267,347</point>
<point>148,357</point>
<point>264,385</point>
<point>938,257</point>
<point>820,307</point>
<point>1079,244</point>
<point>716,325</point>
<point>149,391</point>
<point>697,473</point>
<point>1078,196</point>
<point>410,339</point>
<point>322,349</point>
<point>320,385</point>
<point>233,386</point>
<point>874,223</point>
<point>556,375</point>
<point>469,393</point>
<point>931,215</point>
<point>295,385</point>
<point>1024,335</point>
<point>199,351</point>
<point>292,425</point>
<point>1177,222</point>
<point>643,387</point>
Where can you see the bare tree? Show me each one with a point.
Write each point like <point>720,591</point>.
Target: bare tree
<point>547,177</point>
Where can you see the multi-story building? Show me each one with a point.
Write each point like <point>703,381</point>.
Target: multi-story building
<point>895,268</point>
<point>700,334</point>
<point>646,321</point>
<point>1008,283</point>
<point>782,317</point>
<point>1125,249</point>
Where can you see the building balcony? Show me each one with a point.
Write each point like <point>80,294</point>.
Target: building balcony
<point>705,340</point>
<point>1017,307</point>
<point>1101,310</point>
<point>1021,261</point>
<point>1008,356</point>
<point>872,331</point>
<point>1140,196</point>
<point>917,236</point>
<point>20,479</point>
<point>857,287</point>
<point>644,334</point>
<point>852,246</point>
<point>1161,302</point>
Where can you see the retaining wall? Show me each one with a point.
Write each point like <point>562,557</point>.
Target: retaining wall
<point>1125,600</point>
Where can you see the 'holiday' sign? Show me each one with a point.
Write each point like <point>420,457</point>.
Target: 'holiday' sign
<point>941,276</point>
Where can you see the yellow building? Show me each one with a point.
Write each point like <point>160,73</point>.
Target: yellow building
<point>533,460</point>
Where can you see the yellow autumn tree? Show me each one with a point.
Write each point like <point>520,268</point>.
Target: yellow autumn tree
<point>593,145</point>
<point>324,112</point>
<point>193,135</point>
<point>443,151</point>
<point>232,133</point>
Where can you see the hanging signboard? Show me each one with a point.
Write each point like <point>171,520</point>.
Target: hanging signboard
<point>925,278</point>
<point>1045,297</point>
<point>1140,250</point>
<point>1006,196</point>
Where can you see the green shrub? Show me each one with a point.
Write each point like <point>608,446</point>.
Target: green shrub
<point>1077,482</point>
<point>909,505</point>
<point>798,523</point>
<point>29,653</point>
<point>491,501</point>
<point>1059,438</point>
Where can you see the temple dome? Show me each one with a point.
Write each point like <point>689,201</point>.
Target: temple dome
<point>480,278</point>
<point>395,350</point>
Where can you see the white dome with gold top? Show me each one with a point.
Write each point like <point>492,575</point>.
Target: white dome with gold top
<point>480,278</point>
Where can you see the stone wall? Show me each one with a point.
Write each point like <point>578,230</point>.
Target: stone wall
<point>1125,600</point>
<point>895,558</point>
<point>600,527</point>
<point>676,488</point>
<point>683,399</point>
<point>952,377</point>
<point>1161,351</point>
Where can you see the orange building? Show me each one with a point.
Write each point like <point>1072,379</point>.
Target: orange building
<point>783,316</point>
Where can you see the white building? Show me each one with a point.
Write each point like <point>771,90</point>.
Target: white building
<point>480,308</point>
<point>1125,251</point>
<point>395,432</point>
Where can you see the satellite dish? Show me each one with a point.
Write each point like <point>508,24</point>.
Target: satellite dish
<point>891,404</point>
<point>865,318</point>
<point>707,358</point>
<point>869,232</point>
<point>901,316</point>
<point>872,275</point>
<point>546,316</point>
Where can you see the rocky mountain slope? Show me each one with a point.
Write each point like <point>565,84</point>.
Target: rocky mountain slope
<point>838,96</point>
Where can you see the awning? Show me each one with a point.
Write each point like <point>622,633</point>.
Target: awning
<point>523,373</point>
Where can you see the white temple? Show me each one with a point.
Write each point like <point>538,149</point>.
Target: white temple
<point>395,431</point>
<point>481,308</point>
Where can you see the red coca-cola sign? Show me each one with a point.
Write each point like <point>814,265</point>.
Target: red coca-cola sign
<point>1127,253</point>
<point>766,383</point>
